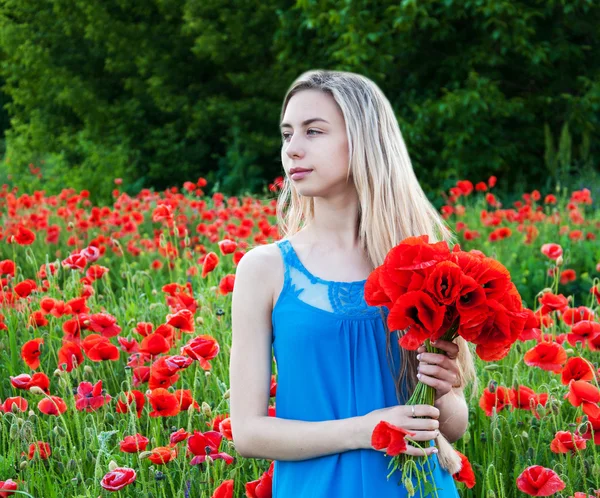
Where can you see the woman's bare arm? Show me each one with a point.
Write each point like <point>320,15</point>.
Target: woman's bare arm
<point>255,434</point>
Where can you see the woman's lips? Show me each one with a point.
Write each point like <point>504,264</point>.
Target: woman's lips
<point>300,174</point>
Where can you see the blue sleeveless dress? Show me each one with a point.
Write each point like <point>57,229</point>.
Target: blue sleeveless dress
<point>330,353</point>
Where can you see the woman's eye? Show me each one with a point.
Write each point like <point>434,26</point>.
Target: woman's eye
<point>286,135</point>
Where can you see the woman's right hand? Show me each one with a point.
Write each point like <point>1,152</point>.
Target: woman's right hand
<point>425,429</point>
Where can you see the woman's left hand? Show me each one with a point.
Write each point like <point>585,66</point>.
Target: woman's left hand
<point>439,371</point>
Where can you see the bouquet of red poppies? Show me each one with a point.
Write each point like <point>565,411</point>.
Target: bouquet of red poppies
<point>435,293</point>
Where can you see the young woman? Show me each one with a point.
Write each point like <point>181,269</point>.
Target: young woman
<point>349,195</point>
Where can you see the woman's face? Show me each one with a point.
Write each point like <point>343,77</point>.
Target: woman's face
<point>320,145</point>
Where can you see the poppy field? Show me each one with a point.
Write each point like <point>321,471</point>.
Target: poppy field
<point>115,333</point>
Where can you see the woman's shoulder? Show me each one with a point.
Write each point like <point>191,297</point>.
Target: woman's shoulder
<point>262,266</point>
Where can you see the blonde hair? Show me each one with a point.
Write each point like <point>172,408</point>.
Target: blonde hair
<point>385,183</point>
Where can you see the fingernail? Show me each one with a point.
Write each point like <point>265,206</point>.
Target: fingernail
<point>418,376</point>
<point>418,357</point>
<point>434,450</point>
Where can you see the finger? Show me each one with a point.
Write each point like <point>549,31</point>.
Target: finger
<point>425,411</point>
<point>420,452</point>
<point>421,424</point>
<point>425,435</point>
<point>449,347</point>
<point>435,358</point>
<point>441,386</point>
<point>439,373</point>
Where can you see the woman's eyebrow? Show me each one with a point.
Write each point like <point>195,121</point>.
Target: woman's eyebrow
<point>305,122</point>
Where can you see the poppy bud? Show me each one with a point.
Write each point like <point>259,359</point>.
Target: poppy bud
<point>145,454</point>
<point>582,429</point>
<point>36,390</point>
<point>71,465</point>
<point>199,320</point>
<point>226,394</point>
<point>559,261</point>
<point>497,435</point>
<point>23,465</point>
<point>112,465</point>
<point>206,410</point>
<point>14,431</point>
<point>88,370</point>
<point>410,489</point>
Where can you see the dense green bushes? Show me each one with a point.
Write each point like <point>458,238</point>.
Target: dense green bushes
<point>160,91</point>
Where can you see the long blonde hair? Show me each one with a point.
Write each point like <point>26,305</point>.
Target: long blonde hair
<point>392,204</point>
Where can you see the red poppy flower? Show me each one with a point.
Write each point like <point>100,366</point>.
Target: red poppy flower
<point>134,444</point>
<point>444,282</point>
<point>163,402</point>
<point>224,490</point>
<point>375,294</point>
<point>182,320</point>
<point>90,398</point>
<point>30,352</point>
<point>69,355</point>
<point>526,399</point>
<point>128,399</point>
<point>226,284</point>
<point>225,428</point>
<point>25,288</point>
<point>465,474</point>
<point>155,344</point>
<point>552,251</point>
<point>95,272</point>
<point>105,324</point>
<point>7,487</point>
<point>202,348</point>
<point>216,421</point>
<point>162,455</point>
<point>24,236</point>
<point>572,316</point>
<point>14,403</point>
<point>577,368</point>
<point>552,302</point>
<point>203,444</point>
<point>162,212</point>
<point>99,348</point>
<point>118,478</point>
<point>227,246</point>
<point>41,448</point>
<point>7,267</point>
<point>52,405</point>
<point>157,380</point>
<point>565,442</point>
<point>37,319</point>
<point>178,436</point>
<point>416,253</point>
<point>128,345</point>
<point>584,331</point>
<point>499,398</point>
<point>539,481</point>
<point>586,395</point>
<point>386,435</point>
<point>421,313</point>
<point>144,328</point>
<point>532,327</point>
<point>567,276</point>
<point>185,399</point>
<point>170,365</point>
<point>41,380</point>
<point>262,487</point>
<point>547,356</point>
<point>210,262</point>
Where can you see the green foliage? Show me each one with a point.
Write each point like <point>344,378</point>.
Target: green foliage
<point>161,91</point>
